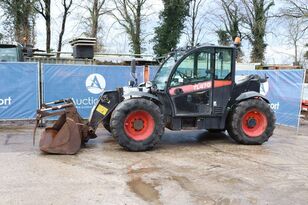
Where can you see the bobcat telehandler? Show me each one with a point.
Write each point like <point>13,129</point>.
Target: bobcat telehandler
<point>193,89</point>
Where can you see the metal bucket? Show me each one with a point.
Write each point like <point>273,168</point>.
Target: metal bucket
<point>67,134</point>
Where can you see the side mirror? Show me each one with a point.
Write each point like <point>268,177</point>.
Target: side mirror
<point>148,84</point>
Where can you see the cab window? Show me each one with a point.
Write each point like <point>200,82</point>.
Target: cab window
<point>203,67</point>
<point>194,68</point>
<point>223,64</point>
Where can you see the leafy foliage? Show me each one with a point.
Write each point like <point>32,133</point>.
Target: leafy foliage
<point>19,16</point>
<point>231,20</point>
<point>167,35</point>
<point>256,17</point>
<point>223,37</point>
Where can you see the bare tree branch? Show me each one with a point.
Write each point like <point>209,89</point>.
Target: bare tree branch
<point>43,8</point>
<point>66,7</point>
<point>130,14</point>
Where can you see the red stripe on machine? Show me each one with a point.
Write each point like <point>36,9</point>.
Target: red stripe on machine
<point>200,86</point>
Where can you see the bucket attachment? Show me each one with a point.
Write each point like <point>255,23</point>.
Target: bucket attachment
<point>67,133</point>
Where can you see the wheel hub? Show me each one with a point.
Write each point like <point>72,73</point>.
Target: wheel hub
<point>254,123</point>
<point>251,123</point>
<point>138,125</point>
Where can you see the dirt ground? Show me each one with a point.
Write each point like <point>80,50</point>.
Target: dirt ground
<point>188,167</point>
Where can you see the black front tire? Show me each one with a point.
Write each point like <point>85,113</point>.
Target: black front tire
<point>120,115</point>
<point>236,122</point>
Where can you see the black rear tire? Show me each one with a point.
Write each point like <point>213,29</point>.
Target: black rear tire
<point>122,130</point>
<point>259,130</point>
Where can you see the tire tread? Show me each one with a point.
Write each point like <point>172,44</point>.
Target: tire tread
<point>235,117</point>
<point>117,124</point>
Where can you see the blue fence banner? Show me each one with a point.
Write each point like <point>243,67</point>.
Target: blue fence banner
<point>283,89</point>
<point>19,87</point>
<point>19,90</point>
<point>153,71</point>
<point>84,84</point>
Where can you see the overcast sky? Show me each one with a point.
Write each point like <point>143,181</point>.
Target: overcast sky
<point>116,41</point>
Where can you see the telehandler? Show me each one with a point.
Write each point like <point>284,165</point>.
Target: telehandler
<point>193,89</point>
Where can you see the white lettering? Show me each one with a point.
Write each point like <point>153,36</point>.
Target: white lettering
<point>275,106</point>
<point>202,86</point>
<point>86,102</point>
<point>6,101</point>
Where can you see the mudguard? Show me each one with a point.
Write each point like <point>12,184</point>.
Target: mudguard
<point>241,97</point>
<point>249,95</point>
<point>139,94</point>
<point>106,104</point>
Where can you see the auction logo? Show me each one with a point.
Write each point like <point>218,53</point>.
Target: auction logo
<point>95,83</point>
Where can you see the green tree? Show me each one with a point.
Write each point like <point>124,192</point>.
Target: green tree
<point>256,17</point>
<point>223,37</point>
<point>231,20</point>
<point>19,16</point>
<point>172,18</point>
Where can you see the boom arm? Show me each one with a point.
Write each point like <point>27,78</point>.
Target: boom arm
<point>101,112</point>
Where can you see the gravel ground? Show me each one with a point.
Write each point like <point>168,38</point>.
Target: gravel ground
<point>188,167</point>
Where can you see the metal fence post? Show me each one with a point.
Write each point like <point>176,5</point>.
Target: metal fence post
<point>300,110</point>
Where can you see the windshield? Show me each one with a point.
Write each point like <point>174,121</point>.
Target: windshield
<point>162,75</point>
<point>8,54</point>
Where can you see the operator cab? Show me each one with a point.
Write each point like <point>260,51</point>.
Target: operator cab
<point>197,83</point>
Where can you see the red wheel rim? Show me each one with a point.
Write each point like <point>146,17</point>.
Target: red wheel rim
<point>254,123</point>
<point>139,125</point>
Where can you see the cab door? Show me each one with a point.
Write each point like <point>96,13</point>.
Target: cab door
<point>223,79</point>
<point>190,86</point>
